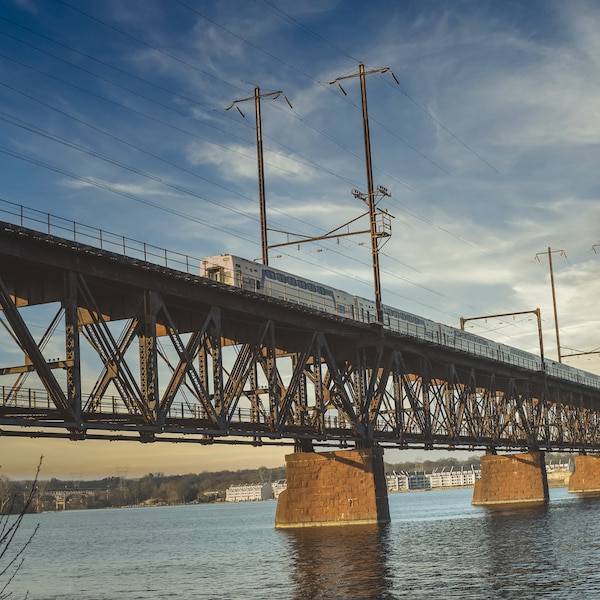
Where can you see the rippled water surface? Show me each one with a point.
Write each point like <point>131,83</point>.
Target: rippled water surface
<point>437,546</point>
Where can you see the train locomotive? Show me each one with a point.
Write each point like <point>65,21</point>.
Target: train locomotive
<point>262,279</point>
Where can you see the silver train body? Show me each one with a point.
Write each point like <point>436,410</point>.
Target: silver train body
<point>258,278</point>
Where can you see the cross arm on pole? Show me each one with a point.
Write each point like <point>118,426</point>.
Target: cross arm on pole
<point>372,71</point>
<point>535,312</point>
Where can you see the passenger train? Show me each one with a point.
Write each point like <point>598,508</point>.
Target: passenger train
<point>262,279</point>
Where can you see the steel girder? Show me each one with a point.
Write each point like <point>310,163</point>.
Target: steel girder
<point>265,380</point>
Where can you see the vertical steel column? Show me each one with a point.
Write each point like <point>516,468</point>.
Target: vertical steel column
<point>259,152</point>
<point>149,352</point>
<point>72,345</point>
<point>269,353</point>
<point>371,196</point>
<point>261,178</point>
<point>370,191</point>
<point>203,376</point>
<point>300,396</point>
<point>554,304</point>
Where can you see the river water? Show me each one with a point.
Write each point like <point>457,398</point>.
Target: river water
<point>437,546</point>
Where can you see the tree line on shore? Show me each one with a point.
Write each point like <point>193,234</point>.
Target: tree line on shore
<point>161,489</point>
<point>112,492</point>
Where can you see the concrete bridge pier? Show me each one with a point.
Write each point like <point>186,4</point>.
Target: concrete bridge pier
<point>586,477</point>
<point>512,479</point>
<point>345,487</point>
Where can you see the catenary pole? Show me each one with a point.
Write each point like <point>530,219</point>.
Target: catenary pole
<point>257,97</point>
<point>550,252</point>
<point>370,187</point>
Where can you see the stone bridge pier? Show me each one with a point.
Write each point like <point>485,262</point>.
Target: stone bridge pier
<point>522,479</point>
<point>586,477</point>
<point>345,487</point>
<point>511,479</point>
<point>348,487</point>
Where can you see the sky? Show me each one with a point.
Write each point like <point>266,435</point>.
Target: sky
<point>112,114</point>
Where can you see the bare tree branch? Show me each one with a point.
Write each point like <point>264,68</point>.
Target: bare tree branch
<point>11,558</point>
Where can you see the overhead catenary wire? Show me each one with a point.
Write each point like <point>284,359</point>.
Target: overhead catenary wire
<point>172,185</point>
<point>149,45</point>
<point>287,17</point>
<point>168,55</point>
<point>175,94</point>
<point>114,190</point>
<point>324,133</point>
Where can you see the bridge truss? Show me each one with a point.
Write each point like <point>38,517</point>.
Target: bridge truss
<point>154,354</point>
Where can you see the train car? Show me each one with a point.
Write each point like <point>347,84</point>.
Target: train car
<point>364,310</point>
<point>563,371</point>
<point>468,342</point>
<point>262,279</point>
<point>411,325</point>
<point>520,358</point>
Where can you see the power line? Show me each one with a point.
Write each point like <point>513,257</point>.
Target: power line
<point>192,100</point>
<point>276,58</point>
<point>453,135</point>
<point>97,60</point>
<point>170,91</point>
<point>138,112</point>
<point>256,46</point>
<point>122,165</point>
<point>148,45</point>
<point>287,17</point>
<point>104,186</point>
<point>201,138</point>
<point>301,159</point>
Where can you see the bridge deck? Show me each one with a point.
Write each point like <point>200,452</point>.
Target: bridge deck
<point>152,353</point>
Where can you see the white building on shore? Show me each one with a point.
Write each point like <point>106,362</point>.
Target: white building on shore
<point>403,482</point>
<point>250,492</point>
<point>278,487</point>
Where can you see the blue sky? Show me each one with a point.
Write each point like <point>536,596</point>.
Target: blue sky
<point>112,115</point>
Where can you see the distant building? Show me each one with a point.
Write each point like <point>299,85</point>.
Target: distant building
<point>397,482</point>
<point>454,477</point>
<point>249,492</point>
<point>278,487</point>
<point>558,474</point>
<point>559,466</point>
<point>402,482</point>
<point>418,481</point>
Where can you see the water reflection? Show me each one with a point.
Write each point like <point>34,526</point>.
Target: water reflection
<point>524,553</point>
<point>340,562</point>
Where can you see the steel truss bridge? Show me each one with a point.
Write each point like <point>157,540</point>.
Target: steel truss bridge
<point>94,344</point>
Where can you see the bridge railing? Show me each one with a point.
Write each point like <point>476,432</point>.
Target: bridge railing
<point>563,371</point>
<point>39,399</point>
<point>31,218</point>
<point>26,398</point>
